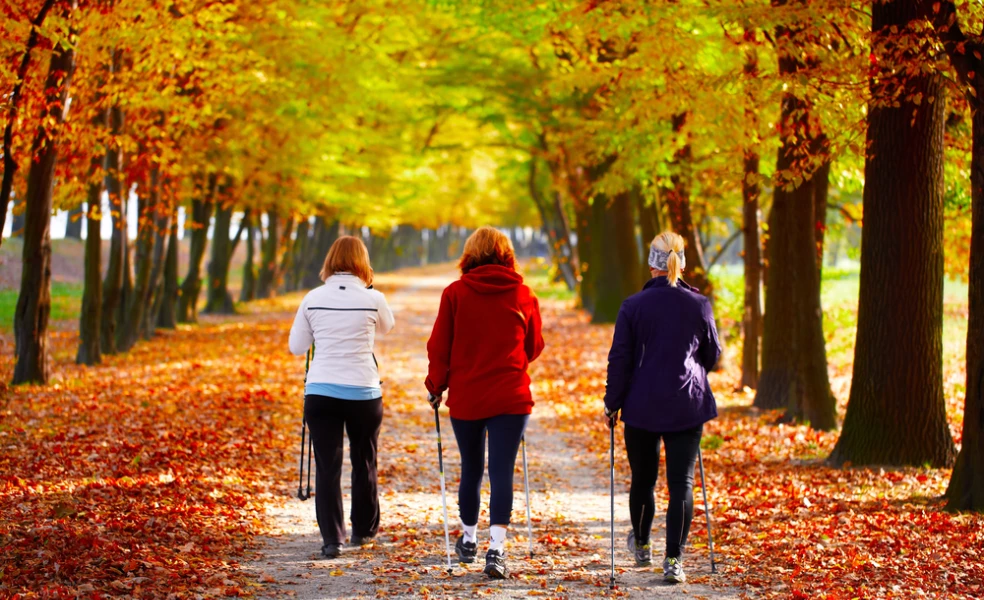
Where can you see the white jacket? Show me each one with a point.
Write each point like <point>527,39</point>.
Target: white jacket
<point>342,318</point>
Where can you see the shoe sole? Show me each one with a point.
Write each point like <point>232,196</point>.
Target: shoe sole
<point>644,563</point>
<point>494,573</point>
<point>675,580</point>
<point>466,559</point>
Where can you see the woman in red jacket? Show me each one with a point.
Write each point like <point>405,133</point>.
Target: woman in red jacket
<point>486,334</point>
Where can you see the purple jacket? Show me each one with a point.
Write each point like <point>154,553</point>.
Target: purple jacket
<point>665,342</point>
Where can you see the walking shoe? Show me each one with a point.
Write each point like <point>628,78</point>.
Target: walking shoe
<point>466,551</point>
<point>673,571</point>
<point>642,553</point>
<point>331,550</point>
<point>359,540</point>
<point>495,564</point>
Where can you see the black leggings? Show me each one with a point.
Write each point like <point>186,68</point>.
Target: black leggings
<point>505,433</point>
<point>326,418</point>
<point>681,455</point>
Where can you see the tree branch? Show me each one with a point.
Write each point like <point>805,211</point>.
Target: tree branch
<point>724,248</point>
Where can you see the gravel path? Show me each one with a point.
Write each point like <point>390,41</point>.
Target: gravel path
<point>570,505</point>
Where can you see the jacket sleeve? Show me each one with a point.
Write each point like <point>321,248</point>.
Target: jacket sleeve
<point>534,332</point>
<point>385,321</point>
<point>439,347</point>
<point>709,350</point>
<point>301,334</point>
<point>621,359</point>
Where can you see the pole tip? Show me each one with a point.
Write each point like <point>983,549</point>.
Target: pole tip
<point>450,572</point>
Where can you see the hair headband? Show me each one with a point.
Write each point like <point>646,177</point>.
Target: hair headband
<point>658,259</point>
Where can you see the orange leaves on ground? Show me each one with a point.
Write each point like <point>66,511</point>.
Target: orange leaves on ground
<point>146,476</point>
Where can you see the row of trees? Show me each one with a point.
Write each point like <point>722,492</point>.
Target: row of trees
<point>604,122</point>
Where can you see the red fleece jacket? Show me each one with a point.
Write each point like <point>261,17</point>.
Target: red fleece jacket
<point>486,334</point>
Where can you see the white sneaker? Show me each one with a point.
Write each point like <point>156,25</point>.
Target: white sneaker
<point>673,571</point>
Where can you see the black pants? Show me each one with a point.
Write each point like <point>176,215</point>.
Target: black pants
<point>326,417</point>
<point>681,455</point>
<point>505,433</point>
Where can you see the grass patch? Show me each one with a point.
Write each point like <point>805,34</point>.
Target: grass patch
<point>66,304</point>
<point>539,274</point>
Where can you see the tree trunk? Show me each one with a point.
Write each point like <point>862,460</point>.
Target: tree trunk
<point>751,323</point>
<point>268,256</point>
<point>201,212</point>
<point>649,229</point>
<point>586,289</point>
<point>794,358</point>
<point>73,224</point>
<point>248,291</point>
<point>34,301</point>
<point>896,413</point>
<point>162,229</point>
<point>966,489</point>
<point>614,250</point>
<point>91,316</point>
<point>219,299</point>
<point>555,226</point>
<point>300,258</point>
<point>325,234</point>
<point>132,326</point>
<point>677,200</point>
<point>13,105</point>
<point>112,294</point>
<point>167,315</point>
<point>285,253</point>
<point>17,220</point>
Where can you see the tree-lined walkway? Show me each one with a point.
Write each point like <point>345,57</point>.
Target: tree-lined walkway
<point>158,473</point>
<point>569,499</point>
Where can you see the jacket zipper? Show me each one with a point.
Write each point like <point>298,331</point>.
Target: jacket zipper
<point>643,355</point>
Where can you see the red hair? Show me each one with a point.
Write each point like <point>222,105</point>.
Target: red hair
<point>487,246</point>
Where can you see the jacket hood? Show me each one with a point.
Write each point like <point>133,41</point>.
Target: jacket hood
<point>492,279</point>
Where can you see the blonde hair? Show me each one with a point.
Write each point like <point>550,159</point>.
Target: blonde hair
<point>487,246</point>
<point>672,243</point>
<point>348,255</point>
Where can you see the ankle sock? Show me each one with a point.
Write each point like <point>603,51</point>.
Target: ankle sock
<point>470,533</point>
<point>497,538</point>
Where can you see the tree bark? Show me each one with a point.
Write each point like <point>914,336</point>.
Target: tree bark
<point>167,315</point>
<point>751,323</point>
<point>896,413</point>
<point>555,225</point>
<point>73,224</point>
<point>113,284</point>
<point>794,358</point>
<point>677,201</point>
<point>966,489</point>
<point>325,234</point>
<point>219,299</point>
<point>248,291</point>
<point>90,319</point>
<point>821,181</point>
<point>162,229</point>
<point>13,105</point>
<point>34,301</point>
<point>201,213</point>
<point>132,326</point>
<point>285,253</point>
<point>302,247</point>
<point>268,256</point>
<point>613,238</point>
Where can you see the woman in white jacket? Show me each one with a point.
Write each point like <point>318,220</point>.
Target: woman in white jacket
<point>341,318</point>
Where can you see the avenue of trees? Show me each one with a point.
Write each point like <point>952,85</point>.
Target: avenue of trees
<point>278,125</point>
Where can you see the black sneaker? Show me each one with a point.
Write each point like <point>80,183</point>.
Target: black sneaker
<point>331,550</point>
<point>466,551</point>
<point>642,553</point>
<point>495,564</point>
<point>359,540</point>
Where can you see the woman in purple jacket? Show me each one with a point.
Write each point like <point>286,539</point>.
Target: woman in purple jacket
<point>665,343</point>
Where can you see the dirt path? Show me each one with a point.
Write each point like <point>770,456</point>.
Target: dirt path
<point>569,500</point>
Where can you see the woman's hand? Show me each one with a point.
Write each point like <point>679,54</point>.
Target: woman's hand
<point>434,401</point>
<point>611,417</point>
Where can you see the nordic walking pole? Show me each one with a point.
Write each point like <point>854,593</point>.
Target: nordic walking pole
<point>526,484</point>
<point>707,512</point>
<point>300,483</point>
<point>444,497</point>
<point>611,428</point>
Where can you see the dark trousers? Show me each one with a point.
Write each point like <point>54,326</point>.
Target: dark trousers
<point>681,455</point>
<point>504,433</point>
<point>326,417</point>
